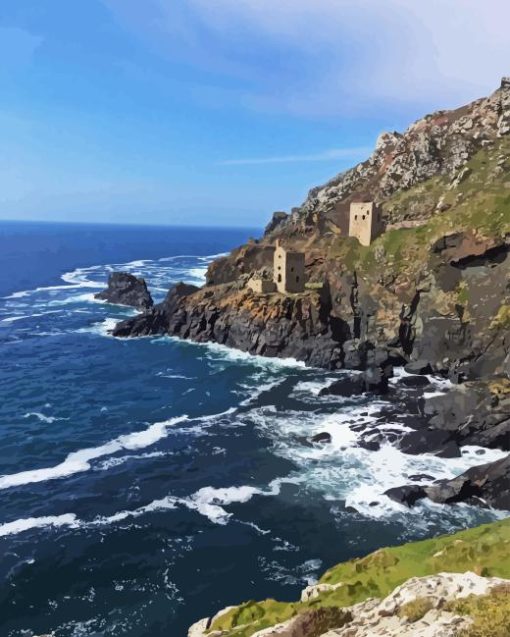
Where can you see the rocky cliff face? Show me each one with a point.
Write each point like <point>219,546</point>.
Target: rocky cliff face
<point>440,144</point>
<point>435,285</point>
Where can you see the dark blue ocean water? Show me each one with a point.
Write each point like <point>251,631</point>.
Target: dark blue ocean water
<point>147,483</point>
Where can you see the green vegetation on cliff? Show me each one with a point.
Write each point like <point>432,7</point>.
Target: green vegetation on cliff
<point>478,203</point>
<point>484,550</point>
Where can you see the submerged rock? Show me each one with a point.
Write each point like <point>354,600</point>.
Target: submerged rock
<point>126,289</point>
<point>414,381</point>
<point>322,438</point>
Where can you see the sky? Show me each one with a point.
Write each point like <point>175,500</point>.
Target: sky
<point>219,112</point>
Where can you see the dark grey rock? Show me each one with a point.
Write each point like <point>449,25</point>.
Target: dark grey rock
<point>158,319</point>
<point>414,381</point>
<point>489,483</point>
<point>433,441</point>
<point>323,438</point>
<point>472,414</point>
<point>126,289</point>
<point>369,445</point>
<point>418,367</point>
<point>421,477</point>
<point>406,495</point>
<point>483,485</point>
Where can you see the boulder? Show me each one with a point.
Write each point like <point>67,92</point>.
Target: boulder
<point>349,386</point>
<point>369,445</point>
<point>418,367</point>
<point>373,380</point>
<point>421,477</point>
<point>126,289</point>
<point>414,381</point>
<point>407,495</point>
<point>323,438</point>
<point>376,379</point>
<point>439,443</point>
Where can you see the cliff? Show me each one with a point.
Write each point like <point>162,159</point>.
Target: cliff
<point>434,285</point>
<point>449,586</point>
<point>433,288</point>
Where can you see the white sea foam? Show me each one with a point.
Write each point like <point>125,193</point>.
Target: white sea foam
<point>255,392</point>
<point>341,470</point>
<point>26,524</point>
<point>175,376</point>
<point>119,460</point>
<point>313,387</point>
<point>195,275</point>
<point>79,461</point>
<point>12,319</point>
<point>73,280</point>
<point>209,501</point>
<point>101,328</point>
<point>42,417</point>
<point>218,352</point>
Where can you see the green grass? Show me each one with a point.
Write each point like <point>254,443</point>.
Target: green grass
<point>484,550</point>
<point>479,205</point>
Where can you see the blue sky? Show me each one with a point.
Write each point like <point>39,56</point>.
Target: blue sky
<point>219,112</point>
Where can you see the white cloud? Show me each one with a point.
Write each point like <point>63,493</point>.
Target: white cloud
<point>326,57</point>
<point>326,155</point>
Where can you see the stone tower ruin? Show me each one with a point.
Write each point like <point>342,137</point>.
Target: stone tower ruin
<point>365,222</point>
<point>289,270</point>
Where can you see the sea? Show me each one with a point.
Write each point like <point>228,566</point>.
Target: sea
<point>147,483</point>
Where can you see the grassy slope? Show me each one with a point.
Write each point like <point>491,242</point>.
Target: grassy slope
<point>480,202</point>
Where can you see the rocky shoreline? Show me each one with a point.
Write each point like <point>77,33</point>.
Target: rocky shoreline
<point>432,293</point>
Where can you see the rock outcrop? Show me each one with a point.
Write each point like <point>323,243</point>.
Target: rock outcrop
<point>421,607</point>
<point>126,289</point>
<point>298,326</point>
<point>417,608</point>
<point>487,484</point>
